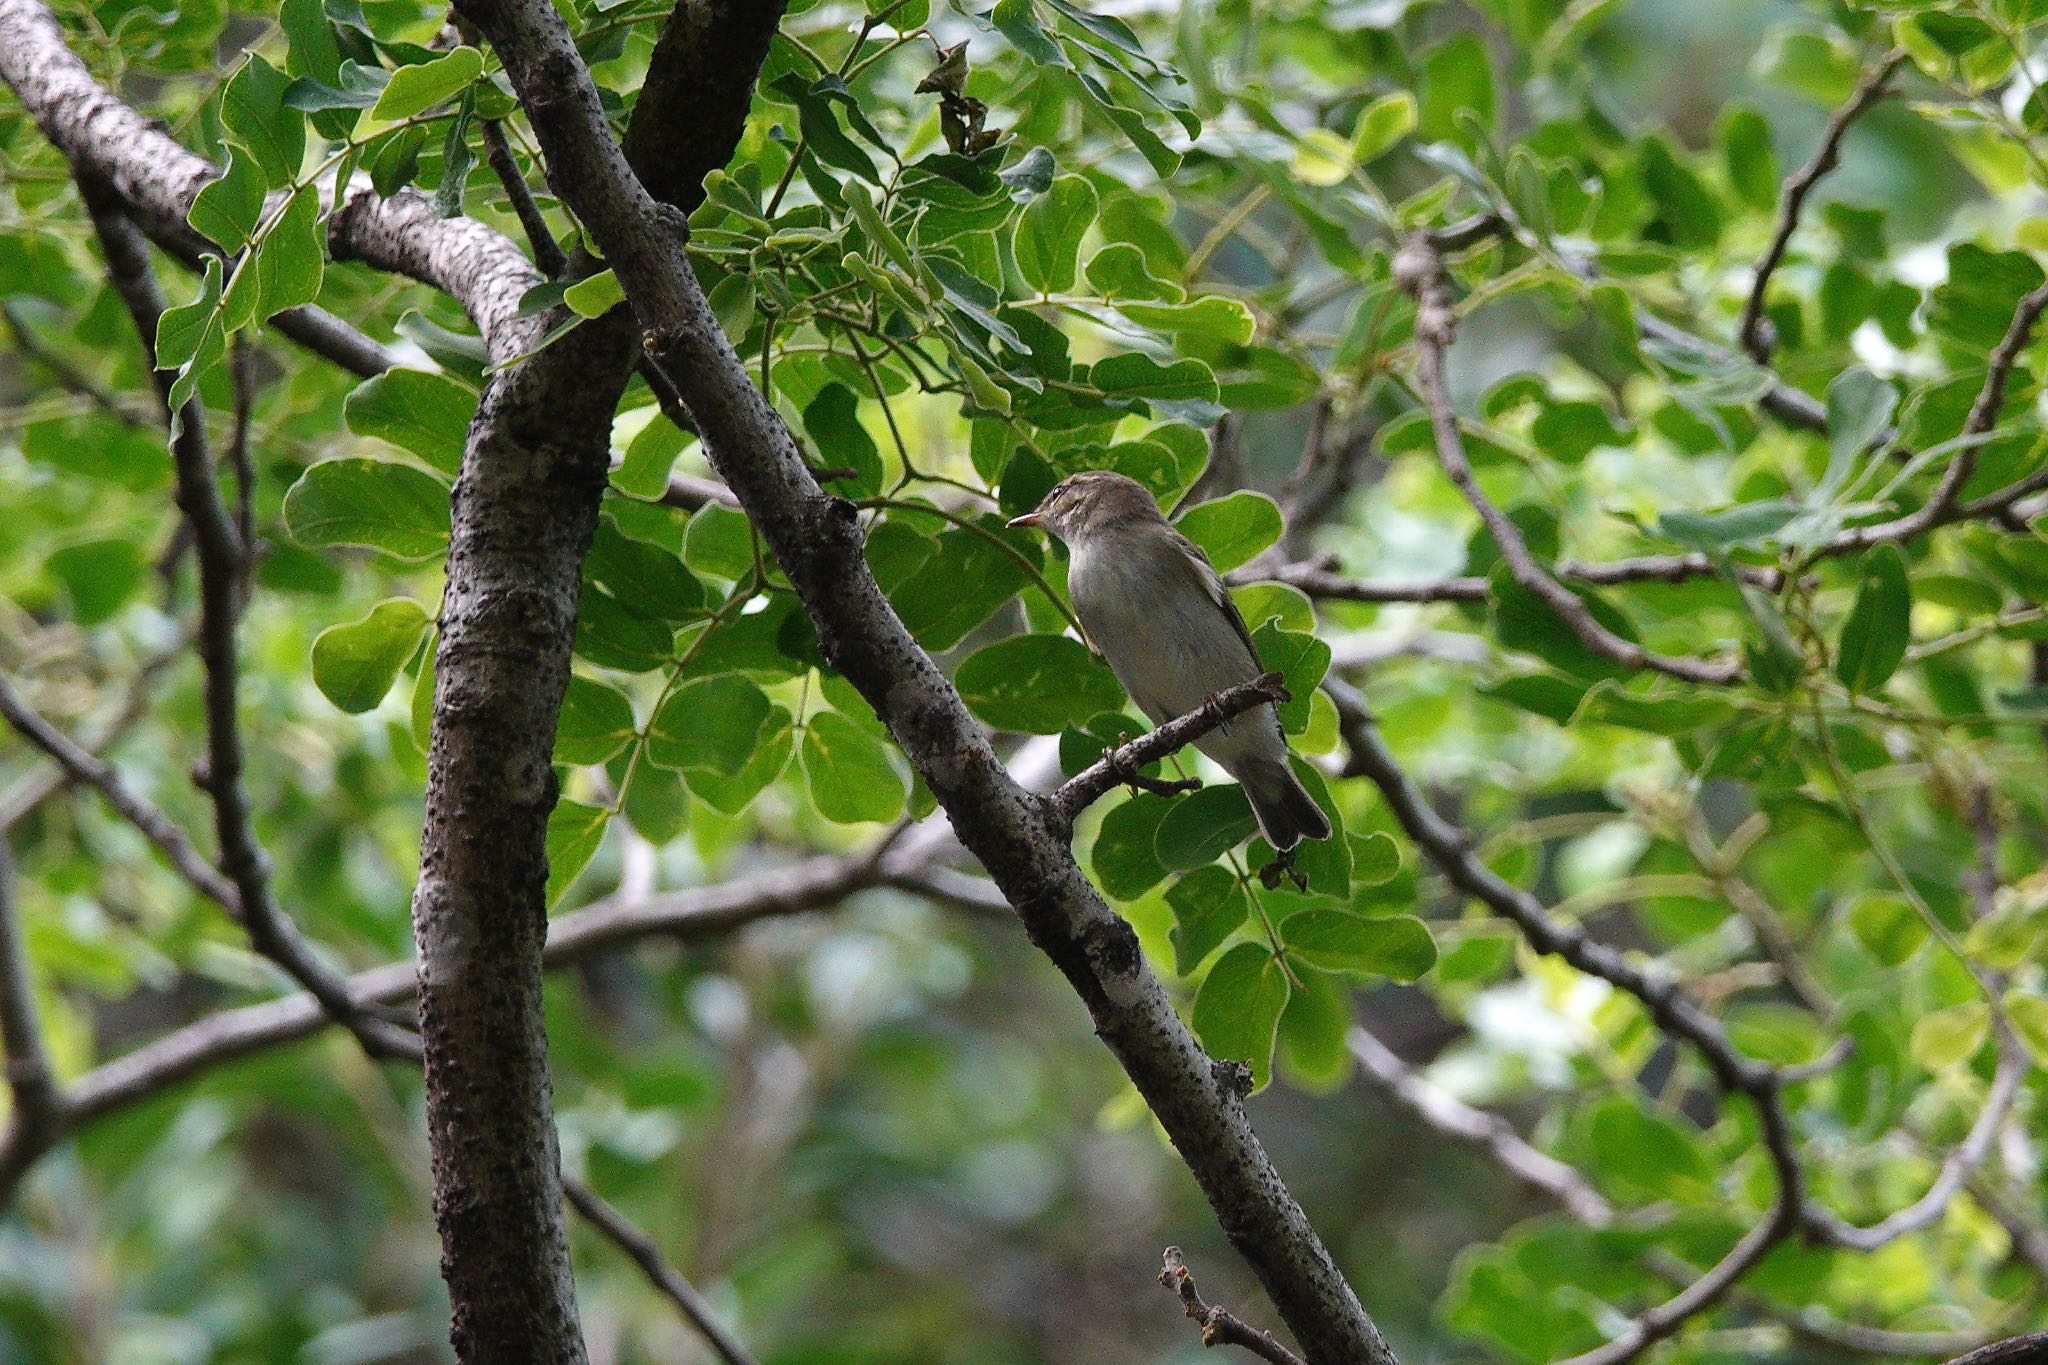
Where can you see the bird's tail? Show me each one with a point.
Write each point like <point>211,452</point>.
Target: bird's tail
<point>1286,813</point>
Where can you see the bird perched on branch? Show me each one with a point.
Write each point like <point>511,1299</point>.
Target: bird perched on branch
<point>1157,611</point>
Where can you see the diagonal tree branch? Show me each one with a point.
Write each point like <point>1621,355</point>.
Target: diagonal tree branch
<point>222,557</point>
<point>1419,270</point>
<point>1220,1326</point>
<point>1446,1114</point>
<point>1121,764</point>
<point>816,541</point>
<point>1752,329</point>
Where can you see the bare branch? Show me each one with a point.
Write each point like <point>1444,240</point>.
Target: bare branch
<point>642,1251</point>
<point>222,557</point>
<point>1955,1171</point>
<point>816,540</point>
<point>1702,1294</point>
<point>38,1111</point>
<point>547,252</point>
<point>151,173</point>
<point>1446,1114</point>
<point>2027,1350</point>
<point>1317,581</point>
<point>1419,270</point>
<point>1120,765</point>
<point>1220,1327</point>
<point>1752,329</point>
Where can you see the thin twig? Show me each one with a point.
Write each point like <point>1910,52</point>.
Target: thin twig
<point>1446,1114</point>
<point>37,1110</point>
<point>547,252</point>
<point>1755,336</point>
<point>1119,766</point>
<point>1419,270</point>
<point>221,555</point>
<point>642,1251</point>
<point>1220,1327</point>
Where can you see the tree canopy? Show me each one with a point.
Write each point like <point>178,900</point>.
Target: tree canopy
<point>587,432</point>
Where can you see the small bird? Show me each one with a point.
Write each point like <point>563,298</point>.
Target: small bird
<point>1156,609</point>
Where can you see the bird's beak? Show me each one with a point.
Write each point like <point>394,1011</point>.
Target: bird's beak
<point>1028,519</point>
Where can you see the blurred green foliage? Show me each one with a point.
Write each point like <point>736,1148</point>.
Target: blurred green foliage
<point>1156,238</point>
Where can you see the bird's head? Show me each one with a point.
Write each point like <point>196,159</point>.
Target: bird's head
<point>1090,502</point>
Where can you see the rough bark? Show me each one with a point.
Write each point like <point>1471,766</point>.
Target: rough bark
<point>525,508</point>
<point>816,541</point>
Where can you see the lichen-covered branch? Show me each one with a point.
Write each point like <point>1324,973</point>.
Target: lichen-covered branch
<point>816,541</point>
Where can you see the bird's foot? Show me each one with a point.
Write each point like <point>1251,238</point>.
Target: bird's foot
<point>1128,774</point>
<point>1283,866</point>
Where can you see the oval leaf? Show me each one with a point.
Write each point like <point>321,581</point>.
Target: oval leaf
<point>390,507</point>
<point>354,665</point>
<point>1398,946</point>
<point>1036,684</point>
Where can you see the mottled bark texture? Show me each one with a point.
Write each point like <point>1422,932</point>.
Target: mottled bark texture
<point>525,508</point>
<point>154,177</point>
<point>817,542</point>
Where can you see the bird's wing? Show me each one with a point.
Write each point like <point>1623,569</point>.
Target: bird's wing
<point>1212,585</point>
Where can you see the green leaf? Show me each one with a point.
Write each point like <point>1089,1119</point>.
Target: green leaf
<point>1381,124</point>
<point>1888,927</point>
<point>1321,158</point>
<point>594,295</point>
<point>1457,78</point>
<point>1203,826</point>
<point>1031,176</point>
<point>596,721</point>
<point>1375,859</point>
<point>419,411</point>
<point>2029,1016</point>
<point>612,635</point>
<point>225,210</point>
<point>708,725</point>
<point>354,665</point>
<point>1396,946</point>
<point>959,587</point>
<point>574,832</point>
<point>1208,906</point>
<point>770,756</point>
<point>720,542</point>
<point>1879,628</point>
<point>99,576</point>
<point>832,420</point>
<point>1648,1153</point>
<point>1523,621</point>
<point>650,457</point>
<point>373,503</point>
<point>1301,660</point>
<point>418,88</point>
<point>1948,1038</point>
<point>252,107</point>
<point>1047,239</point>
<point>1036,684</point>
<point>1747,156</point>
<point>291,258</point>
<point>1237,1010</point>
<point>185,332</point>
<point>1211,320</point>
<point>647,579</point>
<point>851,778</point>
<point>1859,408</point>
<point>1715,533</point>
<point>1126,865</point>
<point>1234,529</point>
